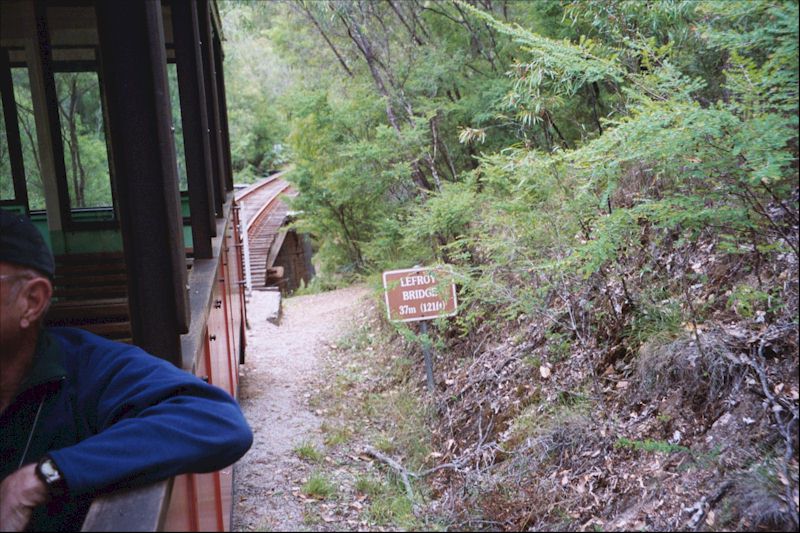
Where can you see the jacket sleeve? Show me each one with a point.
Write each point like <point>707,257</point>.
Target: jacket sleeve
<point>150,421</point>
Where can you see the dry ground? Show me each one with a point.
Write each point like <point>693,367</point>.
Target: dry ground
<point>275,387</point>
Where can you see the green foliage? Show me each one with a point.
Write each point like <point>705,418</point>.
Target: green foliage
<point>541,148</point>
<point>319,486</point>
<point>330,167</point>
<point>256,77</point>
<point>748,301</point>
<point>649,445</point>
<point>567,65</point>
<point>683,154</point>
<point>384,443</point>
<point>560,345</point>
<point>375,137</point>
<point>369,485</point>
<point>443,218</point>
<point>388,502</point>
<point>393,508</point>
<point>307,451</point>
<point>337,436</point>
<point>83,134</point>
<point>320,284</point>
<point>656,320</point>
<point>603,177</point>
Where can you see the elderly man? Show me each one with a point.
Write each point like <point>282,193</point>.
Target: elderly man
<point>80,414</point>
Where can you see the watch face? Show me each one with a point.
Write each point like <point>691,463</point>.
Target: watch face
<point>49,471</point>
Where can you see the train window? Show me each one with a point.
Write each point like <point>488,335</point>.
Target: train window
<point>27,133</point>
<point>175,104</point>
<point>6,181</point>
<point>84,140</point>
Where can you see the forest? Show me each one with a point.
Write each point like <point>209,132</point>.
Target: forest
<point>85,148</point>
<point>615,185</point>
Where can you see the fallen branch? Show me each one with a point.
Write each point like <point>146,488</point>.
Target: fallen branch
<point>786,426</point>
<point>458,463</point>
<point>405,473</point>
<point>455,466</point>
<point>705,504</point>
<point>400,469</point>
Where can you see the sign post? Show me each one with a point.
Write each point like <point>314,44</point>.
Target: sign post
<point>420,294</point>
<point>426,352</point>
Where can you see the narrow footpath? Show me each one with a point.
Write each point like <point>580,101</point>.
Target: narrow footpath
<point>276,382</point>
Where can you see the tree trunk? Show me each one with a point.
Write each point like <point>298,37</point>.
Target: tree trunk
<point>72,129</point>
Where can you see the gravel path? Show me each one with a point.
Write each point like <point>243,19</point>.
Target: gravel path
<point>275,383</point>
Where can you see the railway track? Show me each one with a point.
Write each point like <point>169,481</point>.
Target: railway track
<point>262,213</point>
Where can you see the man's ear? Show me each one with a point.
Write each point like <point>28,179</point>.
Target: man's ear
<point>36,295</point>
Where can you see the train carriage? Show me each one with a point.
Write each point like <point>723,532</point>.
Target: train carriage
<point>115,143</point>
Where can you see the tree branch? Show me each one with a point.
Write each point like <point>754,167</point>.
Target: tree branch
<point>403,21</point>
<point>316,23</point>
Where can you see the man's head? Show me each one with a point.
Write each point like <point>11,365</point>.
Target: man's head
<point>26,271</point>
<point>23,245</point>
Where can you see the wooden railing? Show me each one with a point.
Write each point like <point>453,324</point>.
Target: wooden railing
<point>139,509</point>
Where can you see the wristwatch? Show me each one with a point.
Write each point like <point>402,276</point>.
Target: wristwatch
<point>49,473</point>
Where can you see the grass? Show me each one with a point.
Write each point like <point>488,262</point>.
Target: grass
<point>402,368</point>
<point>708,459</point>
<point>411,432</point>
<point>319,486</point>
<point>758,503</point>
<point>392,509</point>
<point>357,340</point>
<point>346,380</point>
<point>384,443</point>
<point>393,418</point>
<point>656,322</point>
<point>555,426</point>
<point>532,361</point>
<point>318,284</point>
<point>559,346</point>
<point>701,376</point>
<point>307,451</point>
<point>389,504</point>
<point>649,445</point>
<point>336,435</point>
<point>369,485</point>
<point>370,406</point>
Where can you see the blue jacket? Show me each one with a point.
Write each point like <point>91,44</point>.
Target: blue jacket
<point>112,416</point>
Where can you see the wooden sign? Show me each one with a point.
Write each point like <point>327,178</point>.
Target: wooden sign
<point>419,294</point>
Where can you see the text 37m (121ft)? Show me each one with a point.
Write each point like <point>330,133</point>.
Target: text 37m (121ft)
<point>431,307</point>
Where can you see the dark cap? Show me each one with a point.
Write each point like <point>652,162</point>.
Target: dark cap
<point>22,244</point>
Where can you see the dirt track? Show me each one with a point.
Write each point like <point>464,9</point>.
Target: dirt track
<point>275,384</point>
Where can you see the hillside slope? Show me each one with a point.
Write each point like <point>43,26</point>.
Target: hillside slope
<point>569,423</point>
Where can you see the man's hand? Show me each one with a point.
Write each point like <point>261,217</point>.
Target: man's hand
<point>20,492</point>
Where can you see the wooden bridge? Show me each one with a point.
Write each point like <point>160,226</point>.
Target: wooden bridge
<point>275,257</point>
